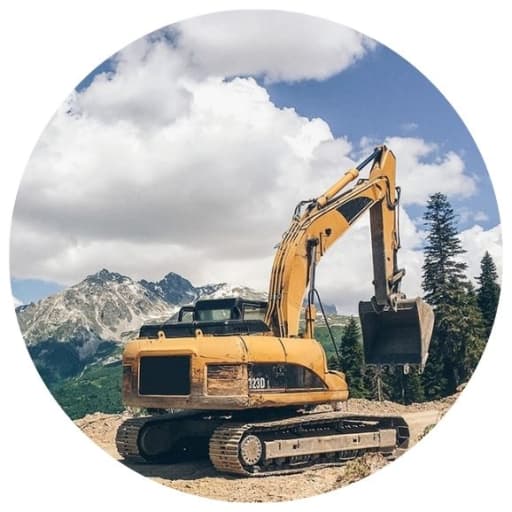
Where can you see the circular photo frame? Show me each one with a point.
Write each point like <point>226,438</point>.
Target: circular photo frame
<point>254,268</point>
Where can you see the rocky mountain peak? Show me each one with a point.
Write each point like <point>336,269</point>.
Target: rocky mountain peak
<point>82,323</point>
<point>105,276</point>
<point>173,288</point>
<point>108,305</point>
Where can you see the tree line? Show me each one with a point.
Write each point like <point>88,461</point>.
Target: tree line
<point>464,316</point>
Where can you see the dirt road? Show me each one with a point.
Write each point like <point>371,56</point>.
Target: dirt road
<point>201,479</point>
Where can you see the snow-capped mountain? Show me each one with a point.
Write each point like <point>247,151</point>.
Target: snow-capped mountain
<point>173,289</point>
<point>105,306</point>
<point>87,322</point>
<point>224,290</point>
<point>110,307</point>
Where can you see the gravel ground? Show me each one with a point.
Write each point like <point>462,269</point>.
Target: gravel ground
<point>201,479</point>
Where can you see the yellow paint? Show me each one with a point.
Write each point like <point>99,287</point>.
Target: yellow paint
<point>241,350</point>
<point>323,221</point>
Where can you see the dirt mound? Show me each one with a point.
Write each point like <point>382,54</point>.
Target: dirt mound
<point>387,407</point>
<point>101,428</point>
<point>201,479</point>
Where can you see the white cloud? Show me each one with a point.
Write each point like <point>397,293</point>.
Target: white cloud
<point>153,76</point>
<point>476,241</point>
<point>467,215</point>
<point>424,170</point>
<point>149,86</point>
<point>480,216</point>
<point>160,168</point>
<point>409,127</point>
<point>221,181</point>
<point>281,46</point>
<point>207,195</point>
<point>17,302</point>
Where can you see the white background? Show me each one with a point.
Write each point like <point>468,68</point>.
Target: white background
<point>48,47</point>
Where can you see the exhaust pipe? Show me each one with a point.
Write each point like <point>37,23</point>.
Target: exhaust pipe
<point>400,337</point>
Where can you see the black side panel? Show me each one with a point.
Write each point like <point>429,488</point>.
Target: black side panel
<point>353,208</point>
<point>269,376</point>
<point>164,375</point>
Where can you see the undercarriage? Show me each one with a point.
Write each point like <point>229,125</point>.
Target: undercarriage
<point>251,445</point>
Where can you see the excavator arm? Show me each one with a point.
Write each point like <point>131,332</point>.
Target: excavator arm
<point>320,222</point>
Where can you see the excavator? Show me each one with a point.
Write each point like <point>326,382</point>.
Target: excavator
<point>246,383</point>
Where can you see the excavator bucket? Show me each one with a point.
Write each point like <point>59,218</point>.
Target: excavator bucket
<point>397,337</point>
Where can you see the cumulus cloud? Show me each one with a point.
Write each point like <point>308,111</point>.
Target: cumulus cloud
<point>409,127</point>
<point>213,189</point>
<point>149,86</point>
<point>476,241</point>
<point>234,144</point>
<point>424,169</point>
<point>277,45</point>
<point>467,215</point>
<point>165,165</point>
<point>222,180</point>
<point>166,64</point>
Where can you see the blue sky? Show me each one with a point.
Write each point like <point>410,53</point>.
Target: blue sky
<point>207,112</point>
<point>31,290</point>
<point>381,95</point>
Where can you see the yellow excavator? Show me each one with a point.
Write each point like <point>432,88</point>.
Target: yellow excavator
<point>237,380</point>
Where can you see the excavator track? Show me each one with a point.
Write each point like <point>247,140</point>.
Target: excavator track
<point>165,438</point>
<point>257,448</point>
<point>293,444</point>
<point>126,439</point>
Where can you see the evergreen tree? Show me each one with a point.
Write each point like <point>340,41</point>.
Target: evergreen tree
<point>332,363</point>
<point>412,387</point>
<point>473,325</point>
<point>443,273</point>
<point>433,378</point>
<point>405,385</point>
<point>488,293</point>
<point>351,354</point>
<point>377,383</point>
<point>402,384</point>
<point>456,341</point>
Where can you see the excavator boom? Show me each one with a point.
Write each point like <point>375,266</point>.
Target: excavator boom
<point>395,330</point>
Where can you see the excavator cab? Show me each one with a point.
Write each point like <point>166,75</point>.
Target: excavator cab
<point>398,336</point>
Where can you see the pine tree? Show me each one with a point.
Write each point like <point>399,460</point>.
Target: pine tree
<point>378,383</point>
<point>433,378</point>
<point>332,363</point>
<point>475,331</point>
<point>413,388</point>
<point>405,385</point>
<point>488,293</point>
<point>443,273</point>
<point>456,342</point>
<point>351,355</point>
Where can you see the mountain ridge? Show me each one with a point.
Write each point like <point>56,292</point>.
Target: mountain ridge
<point>88,322</point>
<point>113,306</point>
<point>92,319</point>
